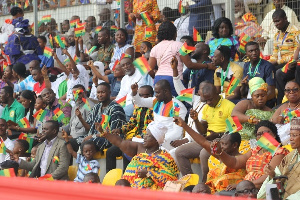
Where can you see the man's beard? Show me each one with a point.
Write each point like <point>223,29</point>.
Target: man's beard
<point>239,14</point>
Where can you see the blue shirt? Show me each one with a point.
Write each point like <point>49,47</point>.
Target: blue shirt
<point>114,84</point>
<point>265,71</point>
<point>200,15</point>
<point>85,166</point>
<point>26,84</point>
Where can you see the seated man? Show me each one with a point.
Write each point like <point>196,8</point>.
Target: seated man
<point>258,67</point>
<point>284,48</point>
<point>81,110</point>
<point>13,111</point>
<point>163,109</point>
<point>50,148</point>
<point>226,73</point>
<point>269,27</point>
<point>7,142</point>
<point>246,189</point>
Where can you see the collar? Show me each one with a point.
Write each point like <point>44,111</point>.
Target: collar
<point>13,104</point>
<point>51,142</point>
<point>219,103</point>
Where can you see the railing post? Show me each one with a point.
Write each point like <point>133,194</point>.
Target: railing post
<point>122,14</point>
<point>35,17</point>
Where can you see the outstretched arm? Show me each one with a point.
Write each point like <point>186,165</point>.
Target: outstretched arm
<point>69,146</point>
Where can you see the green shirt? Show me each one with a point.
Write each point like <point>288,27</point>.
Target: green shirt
<point>15,112</point>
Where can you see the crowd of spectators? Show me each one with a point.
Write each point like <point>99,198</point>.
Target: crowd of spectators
<point>81,90</point>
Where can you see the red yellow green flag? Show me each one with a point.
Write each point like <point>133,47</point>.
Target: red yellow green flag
<point>196,35</point>
<point>23,136</point>
<point>58,114</point>
<point>244,39</point>
<point>47,177</point>
<point>234,82</point>
<point>186,95</point>
<point>76,59</point>
<point>148,32</point>
<point>115,65</point>
<point>233,124</point>
<point>79,31</point>
<point>147,19</point>
<point>185,49</point>
<point>4,66</point>
<point>30,141</point>
<point>114,28</point>
<point>40,114</point>
<point>105,122</point>
<point>176,109</point>
<point>98,29</point>
<point>46,18</point>
<point>63,39</point>
<point>48,52</point>
<point>142,64</point>
<point>88,167</point>
<point>181,8</point>
<point>55,159</point>
<point>86,104</point>
<point>91,50</point>
<point>268,142</point>
<point>8,172</point>
<point>26,4</point>
<point>51,41</point>
<point>122,101</point>
<point>125,55</point>
<point>80,24</point>
<point>76,93</point>
<point>285,68</point>
<point>2,147</point>
<point>73,23</point>
<point>24,123</point>
<point>59,42</point>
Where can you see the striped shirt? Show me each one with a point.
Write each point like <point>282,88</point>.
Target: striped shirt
<point>26,84</point>
<point>117,54</point>
<point>85,166</point>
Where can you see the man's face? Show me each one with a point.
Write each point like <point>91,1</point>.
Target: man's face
<point>210,99</point>
<point>90,22</point>
<point>253,52</point>
<point>102,37</point>
<point>48,131</point>
<point>104,15</point>
<point>3,96</point>
<point>144,93</point>
<point>3,128</point>
<point>198,51</point>
<point>218,58</point>
<point>159,93</point>
<point>127,66</point>
<point>278,3</point>
<point>280,23</point>
<point>48,96</point>
<point>36,75</point>
<point>103,94</point>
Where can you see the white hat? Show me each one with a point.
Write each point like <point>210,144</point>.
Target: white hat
<point>158,131</point>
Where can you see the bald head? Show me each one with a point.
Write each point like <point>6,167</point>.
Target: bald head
<point>209,89</point>
<point>104,14</point>
<point>246,189</point>
<point>164,84</point>
<point>201,188</point>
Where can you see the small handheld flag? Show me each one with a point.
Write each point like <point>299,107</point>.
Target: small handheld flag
<point>142,65</point>
<point>186,95</point>
<point>80,24</point>
<point>46,18</point>
<point>59,42</point>
<point>115,65</point>
<point>73,23</point>
<point>147,19</point>
<point>76,59</point>
<point>122,101</point>
<point>26,4</point>
<point>105,121</point>
<point>40,114</point>
<point>268,142</point>
<point>234,82</point>
<point>8,172</point>
<point>114,28</point>
<point>58,114</point>
<point>79,31</point>
<point>148,32</point>
<point>47,52</point>
<point>86,104</point>
<point>185,49</point>
<point>2,147</point>
<point>76,92</point>
<point>196,35</point>
<point>91,50</point>
<point>181,8</point>
<point>125,55</point>
<point>24,123</point>
<point>233,124</point>
<point>98,29</point>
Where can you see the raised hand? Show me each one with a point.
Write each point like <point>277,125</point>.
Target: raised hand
<point>179,121</point>
<point>134,88</point>
<point>174,63</point>
<point>193,114</point>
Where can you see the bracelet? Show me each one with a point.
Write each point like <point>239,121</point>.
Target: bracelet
<point>250,119</point>
<point>219,153</point>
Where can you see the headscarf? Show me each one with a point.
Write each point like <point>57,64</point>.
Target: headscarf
<point>295,124</point>
<point>21,25</point>
<point>257,83</point>
<point>158,131</point>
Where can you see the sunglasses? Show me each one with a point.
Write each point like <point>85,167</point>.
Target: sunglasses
<point>294,90</point>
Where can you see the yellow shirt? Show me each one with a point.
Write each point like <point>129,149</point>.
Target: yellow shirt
<point>235,71</point>
<point>216,116</point>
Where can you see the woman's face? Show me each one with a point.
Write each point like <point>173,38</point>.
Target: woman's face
<point>261,130</point>
<point>292,92</point>
<point>14,74</point>
<point>224,30</point>
<point>259,98</point>
<point>25,102</point>
<point>65,26</point>
<point>8,72</point>
<point>149,140</point>
<point>120,37</point>
<point>295,139</point>
<point>39,104</point>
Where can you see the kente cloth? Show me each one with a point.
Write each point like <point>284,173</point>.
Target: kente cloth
<point>220,177</point>
<point>161,168</point>
<point>256,163</point>
<point>248,25</point>
<point>286,115</point>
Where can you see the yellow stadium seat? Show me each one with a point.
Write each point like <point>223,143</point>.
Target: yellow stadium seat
<point>72,172</point>
<point>195,160</point>
<point>112,177</point>
<point>194,180</point>
<point>100,154</point>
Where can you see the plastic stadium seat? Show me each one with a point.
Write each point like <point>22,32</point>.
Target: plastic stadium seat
<point>72,172</point>
<point>194,179</point>
<point>112,177</point>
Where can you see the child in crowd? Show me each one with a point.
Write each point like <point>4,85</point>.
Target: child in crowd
<point>91,178</point>
<point>85,160</point>
<point>26,173</point>
<point>19,150</point>
<point>39,104</point>
<point>146,49</point>
<point>123,182</point>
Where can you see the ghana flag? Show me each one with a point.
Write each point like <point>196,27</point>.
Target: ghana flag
<point>2,147</point>
<point>59,42</point>
<point>122,101</point>
<point>196,35</point>
<point>40,114</point>
<point>48,52</point>
<point>233,124</point>
<point>234,82</point>
<point>24,123</point>
<point>46,18</point>
<point>185,49</point>
<point>105,121</point>
<point>98,29</point>
<point>79,31</point>
<point>148,32</point>
<point>142,65</point>
<point>86,104</point>
<point>8,172</point>
<point>58,114</point>
<point>181,8</point>
<point>73,23</point>
<point>115,65</point>
<point>26,4</point>
<point>147,19</point>
<point>186,95</point>
<point>268,142</point>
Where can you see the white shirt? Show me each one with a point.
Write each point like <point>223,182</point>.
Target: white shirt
<point>55,85</point>
<point>126,82</point>
<point>44,159</point>
<point>9,145</point>
<point>182,25</point>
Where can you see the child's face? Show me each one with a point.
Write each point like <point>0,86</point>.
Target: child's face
<point>119,72</point>
<point>39,104</point>
<point>41,43</point>
<point>88,151</point>
<point>143,48</point>
<point>17,148</point>
<point>33,152</point>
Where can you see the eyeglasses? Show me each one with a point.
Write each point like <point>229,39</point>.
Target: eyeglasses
<point>294,135</point>
<point>247,191</point>
<point>262,132</point>
<point>294,90</point>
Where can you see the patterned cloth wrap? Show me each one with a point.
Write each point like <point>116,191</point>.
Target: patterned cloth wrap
<point>161,168</point>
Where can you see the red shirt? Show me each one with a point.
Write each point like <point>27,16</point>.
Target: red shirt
<point>38,89</point>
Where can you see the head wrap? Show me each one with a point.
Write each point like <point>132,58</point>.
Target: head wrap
<point>21,26</point>
<point>295,124</point>
<point>257,83</point>
<point>158,131</point>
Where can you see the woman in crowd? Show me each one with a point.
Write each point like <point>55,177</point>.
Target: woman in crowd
<point>150,166</point>
<point>141,6</point>
<point>251,111</point>
<point>222,35</point>
<point>8,76</point>
<point>284,114</point>
<point>290,167</point>
<point>121,47</point>
<point>19,71</point>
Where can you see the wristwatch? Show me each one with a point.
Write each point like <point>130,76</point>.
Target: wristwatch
<point>81,51</point>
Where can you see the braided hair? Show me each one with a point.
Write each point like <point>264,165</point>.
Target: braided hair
<point>30,95</point>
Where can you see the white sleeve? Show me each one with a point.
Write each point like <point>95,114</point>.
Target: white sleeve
<point>143,102</point>
<point>178,84</point>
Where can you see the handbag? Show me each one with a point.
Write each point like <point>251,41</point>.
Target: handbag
<point>177,186</point>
